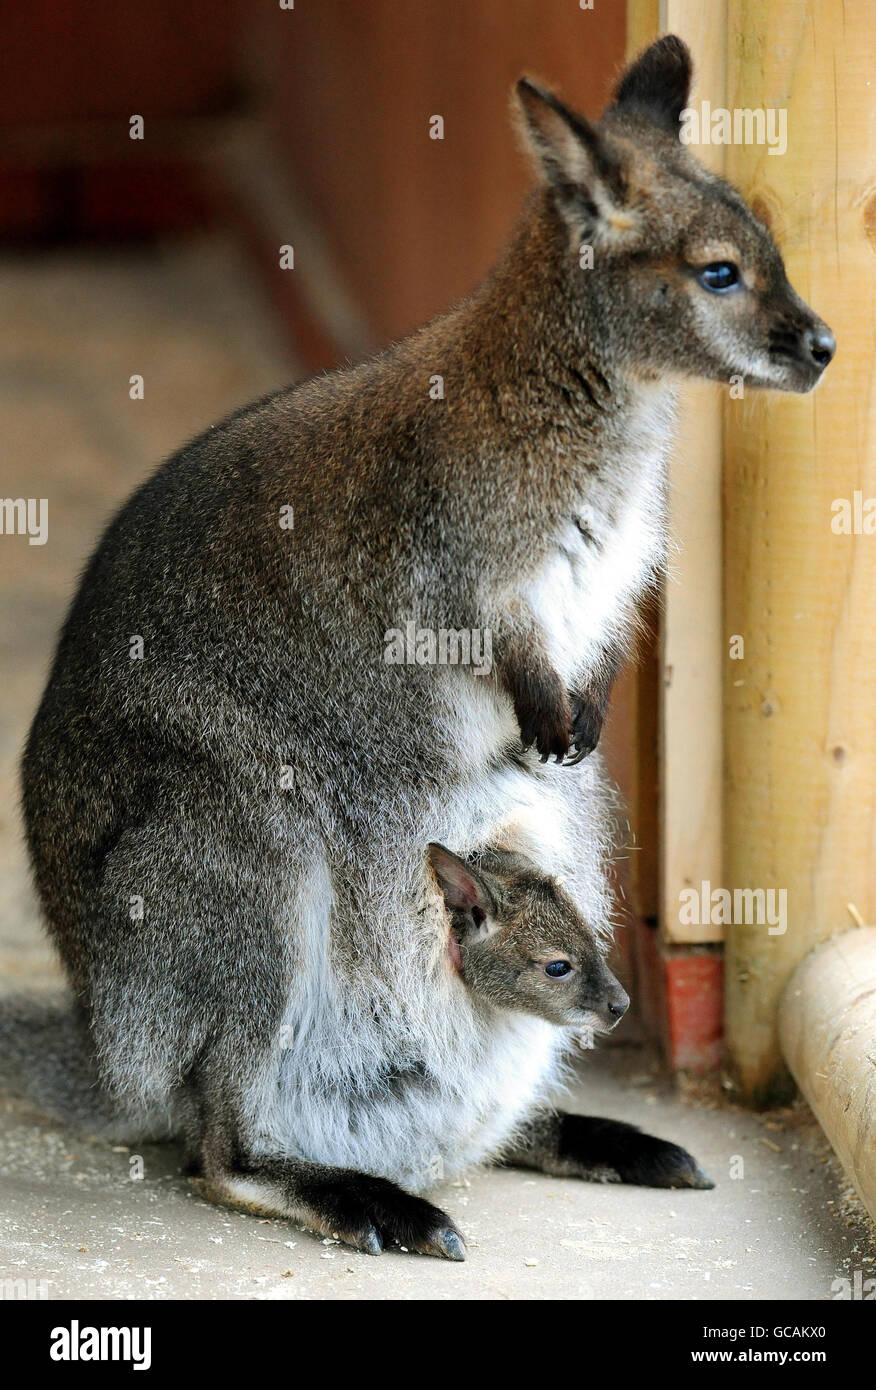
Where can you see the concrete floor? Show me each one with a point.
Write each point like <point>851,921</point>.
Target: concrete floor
<point>781,1222</point>
<point>73,1217</point>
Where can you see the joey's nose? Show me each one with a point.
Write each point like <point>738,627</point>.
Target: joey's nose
<point>616,1005</point>
<point>820,346</point>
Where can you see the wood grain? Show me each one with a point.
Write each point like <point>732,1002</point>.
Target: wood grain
<point>413,222</point>
<point>800,710</point>
<point>692,643</point>
<point>827,1023</point>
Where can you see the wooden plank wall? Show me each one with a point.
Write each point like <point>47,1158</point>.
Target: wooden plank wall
<point>415,222</point>
<point>694,650</point>
<point>801,724</point>
<point>101,60</point>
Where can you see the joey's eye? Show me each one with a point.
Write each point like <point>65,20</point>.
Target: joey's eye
<point>719,277</point>
<point>556,969</point>
<point>478,915</point>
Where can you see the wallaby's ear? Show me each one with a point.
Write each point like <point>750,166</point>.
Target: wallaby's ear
<point>568,150</point>
<point>657,84</point>
<point>462,886</point>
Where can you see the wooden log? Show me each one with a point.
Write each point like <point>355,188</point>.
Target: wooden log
<point>827,1026</point>
<point>800,792</point>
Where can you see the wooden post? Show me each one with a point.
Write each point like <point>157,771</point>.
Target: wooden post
<point>827,1023</point>
<point>679,972</point>
<point>800,709</point>
<point>692,638</point>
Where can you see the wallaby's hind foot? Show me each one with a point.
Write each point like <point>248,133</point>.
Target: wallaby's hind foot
<point>588,1147</point>
<point>363,1211</point>
<point>636,1157</point>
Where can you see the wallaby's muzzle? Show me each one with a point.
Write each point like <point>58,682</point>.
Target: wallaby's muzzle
<point>801,344</point>
<point>607,999</point>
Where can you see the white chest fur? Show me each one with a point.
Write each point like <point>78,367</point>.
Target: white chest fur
<point>340,1088</point>
<point>607,552</point>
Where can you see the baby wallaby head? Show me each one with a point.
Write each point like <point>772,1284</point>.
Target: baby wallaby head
<point>683,278</point>
<point>518,940</point>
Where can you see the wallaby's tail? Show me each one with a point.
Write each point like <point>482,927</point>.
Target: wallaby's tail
<point>45,1058</point>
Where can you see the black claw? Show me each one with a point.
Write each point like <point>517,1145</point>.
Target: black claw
<point>676,1168</point>
<point>579,757</point>
<point>370,1242</point>
<point>698,1179</point>
<point>450,1243</point>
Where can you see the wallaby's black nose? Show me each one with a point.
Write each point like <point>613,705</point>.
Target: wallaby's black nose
<point>606,997</point>
<point>820,344</point>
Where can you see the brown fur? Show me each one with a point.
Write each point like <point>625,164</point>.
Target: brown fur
<point>529,501</point>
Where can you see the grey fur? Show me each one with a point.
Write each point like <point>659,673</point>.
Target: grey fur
<point>266,783</point>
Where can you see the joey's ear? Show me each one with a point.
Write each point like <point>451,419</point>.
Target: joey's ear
<point>462,886</point>
<point>657,84</point>
<point>568,150</point>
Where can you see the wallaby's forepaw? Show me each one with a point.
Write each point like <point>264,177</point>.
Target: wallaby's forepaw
<point>549,727</point>
<point>369,1213</point>
<point>588,716</point>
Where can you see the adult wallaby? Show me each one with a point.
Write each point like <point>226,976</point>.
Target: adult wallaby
<point>227,831</point>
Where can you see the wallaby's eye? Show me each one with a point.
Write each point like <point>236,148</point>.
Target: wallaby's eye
<point>719,277</point>
<point>478,915</point>
<point>557,969</point>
